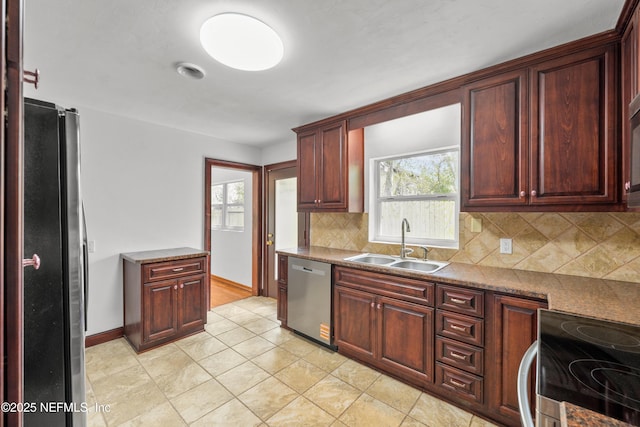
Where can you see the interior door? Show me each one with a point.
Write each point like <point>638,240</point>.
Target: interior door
<point>285,227</point>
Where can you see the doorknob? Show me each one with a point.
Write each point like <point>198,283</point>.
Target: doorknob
<point>34,261</point>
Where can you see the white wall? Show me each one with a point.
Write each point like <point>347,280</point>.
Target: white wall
<point>143,188</point>
<point>231,250</point>
<point>282,152</point>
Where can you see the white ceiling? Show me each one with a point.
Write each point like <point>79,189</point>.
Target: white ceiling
<point>118,56</point>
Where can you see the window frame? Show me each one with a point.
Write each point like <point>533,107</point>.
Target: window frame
<point>225,207</point>
<point>375,203</point>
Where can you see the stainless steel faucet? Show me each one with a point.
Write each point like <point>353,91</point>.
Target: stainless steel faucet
<point>403,248</point>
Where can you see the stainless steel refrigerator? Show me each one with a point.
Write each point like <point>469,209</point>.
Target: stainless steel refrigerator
<point>55,293</point>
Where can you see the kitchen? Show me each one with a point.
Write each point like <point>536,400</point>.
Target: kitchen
<point>126,161</point>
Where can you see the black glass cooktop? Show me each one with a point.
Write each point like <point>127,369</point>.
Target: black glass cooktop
<point>591,363</point>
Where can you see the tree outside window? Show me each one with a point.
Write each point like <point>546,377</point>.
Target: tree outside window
<point>227,206</point>
<point>423,188</point>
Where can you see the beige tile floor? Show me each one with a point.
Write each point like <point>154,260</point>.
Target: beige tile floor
<point>244,370</point>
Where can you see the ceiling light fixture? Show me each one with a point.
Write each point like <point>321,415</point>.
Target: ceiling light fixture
<point>187,69</point>
<point>241,42</point>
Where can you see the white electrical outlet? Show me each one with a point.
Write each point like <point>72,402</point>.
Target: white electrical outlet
<point>506,246</point>
<point>91,246</point>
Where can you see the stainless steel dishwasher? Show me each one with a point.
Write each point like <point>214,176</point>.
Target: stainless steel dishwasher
<point>309,299</point>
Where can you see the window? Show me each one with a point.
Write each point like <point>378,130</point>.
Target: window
<point>423,188</point>
<point>227,206</point>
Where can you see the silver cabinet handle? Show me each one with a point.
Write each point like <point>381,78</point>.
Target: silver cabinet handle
<point>456,383</point>
<point>523,193</point>
<point>176,270</point>
<point>34,261</point>
<point>533,193</point>
<point>457,355</point>
<point>379,306</point>
<point>175,287</point>
<point>458,301</point>
<point>458,328</point>
<point>627,185</point>
<point>181,285</point>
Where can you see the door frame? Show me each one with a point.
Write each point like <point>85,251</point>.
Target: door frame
<point>269,218</point>
<point>256,224</point>
<point>11,212</point>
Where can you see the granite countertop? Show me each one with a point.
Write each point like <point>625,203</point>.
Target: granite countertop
<point>160,255</point>
<point>576,416</point>
<point>605,299</point>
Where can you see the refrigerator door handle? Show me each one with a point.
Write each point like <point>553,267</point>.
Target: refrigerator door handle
<point>523,394</point>
<point>34,261</point>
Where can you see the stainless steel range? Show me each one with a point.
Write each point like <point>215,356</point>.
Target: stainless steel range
<point>589,362</point>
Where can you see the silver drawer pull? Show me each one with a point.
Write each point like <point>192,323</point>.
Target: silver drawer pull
<point>457,355</point>
<point>176,270</point>
<point>458,328</point>
<point>457,383</point>
<point>458,301</point>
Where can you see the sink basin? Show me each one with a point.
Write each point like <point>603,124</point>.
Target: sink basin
<point>372,259</point>
<point>424,266</point>
<point>396,262</point>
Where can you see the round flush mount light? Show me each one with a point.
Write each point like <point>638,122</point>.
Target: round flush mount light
<point>241,41</point>
<point>192,71</point>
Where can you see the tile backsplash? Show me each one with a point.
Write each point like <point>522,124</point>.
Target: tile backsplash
<point>601,245</point>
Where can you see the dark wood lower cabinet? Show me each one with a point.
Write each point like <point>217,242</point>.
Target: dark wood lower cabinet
<point>470,361</point>
<point>512,330</point>
<point>392,334</point>
<point>164,301</point>
<point>283,271</point>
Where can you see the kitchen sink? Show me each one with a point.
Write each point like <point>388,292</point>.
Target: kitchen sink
<point>372,259</point>
<point>396,262</point>
<point>424,266</point>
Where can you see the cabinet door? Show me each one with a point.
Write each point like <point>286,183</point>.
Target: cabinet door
<point>307,171</point>
<point>573,128</point>
<point>160,310</point>
<point>406,338</point>
<point>283,265</point>
<point>332,188</point>
<point>629,90</point>
<point>191,303</point>
<point>514,327</point>
<point>354,318</point>
<point>494,142</point>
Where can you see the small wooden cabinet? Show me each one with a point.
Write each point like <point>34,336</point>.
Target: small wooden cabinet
<point>283,266</point>
<point>568,108</point>
<point>379,324</point>
<point>330,169</point>
<point>165,297</point>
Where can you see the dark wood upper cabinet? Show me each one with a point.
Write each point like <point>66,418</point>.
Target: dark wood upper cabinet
<point>331,169</point>
<point>495,141</point>
<point>573,129</point>
<point>629,75</point>
<point>543,136</point>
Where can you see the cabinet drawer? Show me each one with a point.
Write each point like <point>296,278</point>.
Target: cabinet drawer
<point>411,290</point>
<point>459,327</point>
<point>460,355</point>
<point>461,383</point>
<point>460,300</point>
<point>172,269</point>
